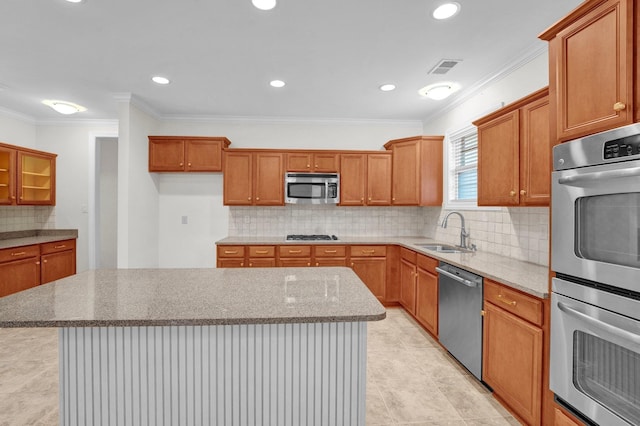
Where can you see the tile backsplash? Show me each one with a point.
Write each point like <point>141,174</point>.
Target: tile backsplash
<point>23,218</point>
<point>521,233</point>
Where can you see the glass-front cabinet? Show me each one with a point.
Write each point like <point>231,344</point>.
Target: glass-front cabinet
<point>36,178</point>
<point>7,176</point>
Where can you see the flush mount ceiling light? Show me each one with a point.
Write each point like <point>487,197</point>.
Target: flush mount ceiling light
<point>439,91</point>
<point>64,107</point>
<point>277,83</point>
<point>160,80</point>
<point>264,4</point>
<point>446,11</point>
<point>75,1</point>
<point>387,87</point>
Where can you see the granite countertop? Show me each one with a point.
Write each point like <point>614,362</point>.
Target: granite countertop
<point>527,277</point>
<point>38,236</point>
<point>160,297</point>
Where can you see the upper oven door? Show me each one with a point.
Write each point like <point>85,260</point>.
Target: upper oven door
<point>596,223</point>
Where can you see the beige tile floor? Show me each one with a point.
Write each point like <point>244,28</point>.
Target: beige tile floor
<point>411,380</point>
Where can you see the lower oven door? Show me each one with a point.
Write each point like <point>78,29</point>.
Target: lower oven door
<point>595,354</point>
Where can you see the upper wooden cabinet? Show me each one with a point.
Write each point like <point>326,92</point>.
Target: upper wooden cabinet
<point>365,179</point>
<point>27,177</point>
<point>317,162</point>
<point>186,153</point>
<point>514,153</point>
<point>416,171</point>
<point>591,68</point>
<point>253,178</point>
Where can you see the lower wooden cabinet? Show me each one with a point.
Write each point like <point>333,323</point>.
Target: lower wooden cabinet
<point>330,255</point>
<point>408,277</point>
<point>373,272</point>
<point>58,260</point>
<point>560,418</point>
<point>427,294</point>
<point>512,356</point>
<point>19,275</point>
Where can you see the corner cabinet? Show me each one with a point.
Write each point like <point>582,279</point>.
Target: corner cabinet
<point>186,153</point>
<point>253,178</point>
<point>27,177</point>
<point>514,153</point>
<point>416,171</point>
<point>592,55</point>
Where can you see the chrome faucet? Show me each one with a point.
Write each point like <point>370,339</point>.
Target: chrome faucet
<point>463,232</point>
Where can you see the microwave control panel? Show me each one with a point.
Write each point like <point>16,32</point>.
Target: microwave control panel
<point>622,147</point>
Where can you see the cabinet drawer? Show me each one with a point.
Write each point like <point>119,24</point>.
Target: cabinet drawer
<point>295,251</point>
<point>230,251</point>
<point>231,262</point>
<point>262,251</point>
<point>408,255</point>
<point>16,253</point>
<point>57,246</point>
<point>329,251</point>
<point>294,263</point>
<point>365,251</point>
<point>262,263</point>
<point>527,307</point>
<point>427,263</point>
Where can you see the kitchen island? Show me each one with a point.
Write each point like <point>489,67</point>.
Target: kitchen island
<point>281,346</point>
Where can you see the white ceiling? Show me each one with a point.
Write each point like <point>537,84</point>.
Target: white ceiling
<point>221,54</point>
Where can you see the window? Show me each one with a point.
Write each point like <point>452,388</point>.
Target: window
<point>462,168</point>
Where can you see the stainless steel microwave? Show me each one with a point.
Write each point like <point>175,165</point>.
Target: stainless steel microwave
<point>312,188</point>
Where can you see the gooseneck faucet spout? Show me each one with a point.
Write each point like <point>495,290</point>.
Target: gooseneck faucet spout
<point>463,232</point>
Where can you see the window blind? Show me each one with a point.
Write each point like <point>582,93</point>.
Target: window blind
<point>463,167</point>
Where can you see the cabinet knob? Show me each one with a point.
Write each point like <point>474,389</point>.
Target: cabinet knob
<point>250,265</point>
<point>352,264</point>
<point>316,166</point>
<point>523,192</point>
<point>308,166</point>
<point>308,263</point>
<point>369,198</point>
<point>619,106</point>
<point>241,263</point>
<point>181,164</point>
<point>37,263</point>
<point>13,197</point>
<point>362,199</point>
<point>44,261</point>
<point>257,198</point>
<point>249,198</point>
<point>512,193</point>
<point>189,164</point>
<point>317,264</point>
<point>393,199</point>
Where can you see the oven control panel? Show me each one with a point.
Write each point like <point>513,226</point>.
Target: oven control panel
<point>622,147</point>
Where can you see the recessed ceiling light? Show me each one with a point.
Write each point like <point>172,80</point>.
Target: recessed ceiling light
<point>264,4</point>
<point>160,80</point>
<point>277,83</point>
<point>388,87</point>
<point>439,91</point>
<point>64,107</point>
<point>446,10</point>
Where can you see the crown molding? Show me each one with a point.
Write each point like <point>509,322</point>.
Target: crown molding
<point>130,98</point>
<point>17,115</point>
<point>529,55</point>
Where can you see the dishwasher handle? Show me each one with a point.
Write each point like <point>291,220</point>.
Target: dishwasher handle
<point>461,280</point>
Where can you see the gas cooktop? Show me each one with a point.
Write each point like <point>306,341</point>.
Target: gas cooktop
<point>302,237</point>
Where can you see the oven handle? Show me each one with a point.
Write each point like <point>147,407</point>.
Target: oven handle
<point>588,177</point>
<point>601,324</point>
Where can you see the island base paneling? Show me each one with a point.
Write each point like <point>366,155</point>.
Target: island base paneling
<point>269,374</point>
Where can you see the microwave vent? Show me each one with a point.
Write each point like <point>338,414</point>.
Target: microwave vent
<point>444,66</point>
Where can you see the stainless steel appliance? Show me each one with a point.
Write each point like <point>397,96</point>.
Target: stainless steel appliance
<point>305,237</point>
<point>459,315</point>
<point>595,326</point>
<point>312,188</point>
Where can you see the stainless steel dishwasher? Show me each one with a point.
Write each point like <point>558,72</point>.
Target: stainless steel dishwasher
<point>459,317</point>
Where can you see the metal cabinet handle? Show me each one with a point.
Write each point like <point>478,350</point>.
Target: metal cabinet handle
<point>230,251</point>
<point>249,198</point>
<point>44,261</point>
<point>317,264</point>
<point>19,253</point>
<point>60,246</point>
<point>257,198</point>
<point>456,278</point>
<point>181,164</point>
<point>619,106</point>
<point>331,251</point>
<point>512,193</point>
<point>502,299</point>
<point>189,164</point>
<point>295,251</point>
<point>368,251</point>
<point>262,251</point>
<point>523,192</point>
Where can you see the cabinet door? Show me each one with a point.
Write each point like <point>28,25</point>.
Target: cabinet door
<point>406,177</point>
<point>238,179</point>
<point>19,275</point>
<point>326,162</point>
<point>499,161</point>
<point>331,261</point>
<point>535,154</point>
<point>166,155</point>
<point>294,262</point>
<point>262,262</point>
<point>55,266</point>
<point>36,179</point>
<point>231,263</point>
<point>594,59</point>
<point>408,286</point>
<point>7,176</point>
<point>269,179</point>
<point>427,300</point>
<point>512,361</point>
<point>203,155</point>
<point>379,179</point>
<point>373,272</point>
<point>299,162</point>
<point>352,179</point>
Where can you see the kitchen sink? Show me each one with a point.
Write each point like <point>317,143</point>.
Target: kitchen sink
<point>441,248</point>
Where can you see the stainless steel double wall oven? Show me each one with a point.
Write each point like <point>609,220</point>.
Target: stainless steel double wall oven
<point>595,313</point>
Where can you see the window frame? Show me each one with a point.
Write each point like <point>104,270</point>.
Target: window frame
<point>449,158</point>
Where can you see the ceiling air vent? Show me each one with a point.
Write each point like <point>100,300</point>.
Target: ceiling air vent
<point>444,66</point>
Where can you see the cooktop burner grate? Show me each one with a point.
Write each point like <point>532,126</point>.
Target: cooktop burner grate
<point>303,237</point>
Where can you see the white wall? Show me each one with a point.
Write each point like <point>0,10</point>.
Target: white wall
<point>72,143</point>
<point>16,131</point>
<point>107,203</point>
